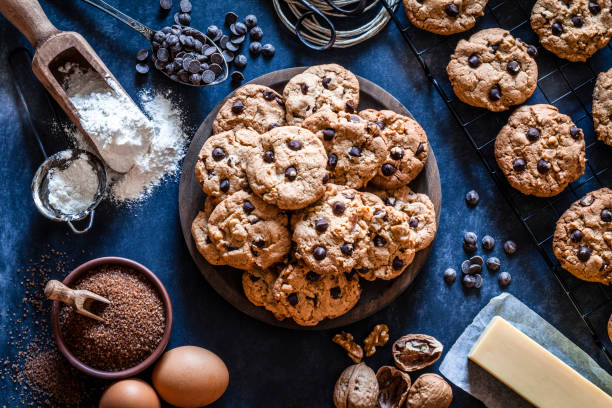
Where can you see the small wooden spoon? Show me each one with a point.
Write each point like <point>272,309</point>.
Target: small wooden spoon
<point>56,290</point>
<point>53,49</point>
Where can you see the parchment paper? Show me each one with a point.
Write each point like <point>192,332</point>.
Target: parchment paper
<point>493,393</point>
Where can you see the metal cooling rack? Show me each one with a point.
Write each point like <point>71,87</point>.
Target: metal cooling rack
<point>569,86</point>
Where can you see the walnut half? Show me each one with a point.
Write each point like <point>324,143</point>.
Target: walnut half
<point>393,386</point>
<point>429,391</point>
<point>346,341</point>
<point>416,351</point>
<point>356,388</point>
<point>377,338</point>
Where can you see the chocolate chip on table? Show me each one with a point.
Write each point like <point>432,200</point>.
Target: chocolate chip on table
<point>239,28</point>
<point>397,264</point>
<point>142,55</point>
<point>256,34</point>
<point>474,61</point>
<point>465,267</point>
<point>237,41</point>
<point>321,225</point>
<point>268,156</point>
<point>513,67</point>
<point>476,260</point>
<point>495,94</point>
<point>347,249</point>
<point>468,281</point>
<point>238,107</point>
<point>451,10</point>
<point>237,76</point>
<point>474,269</point>
<point>504,279</point>
<point>543,166</point>
<point>450,275</point>
<point>557,28</point>
<point>224,185</point>
<point>338,207</point>
<point>268,50</point>
<point>478,282</point>
<point>533,134</point>
<point>388,169</point>
<point>488,243</point>
<point>493,264</point>
<point>332,160</point>
<point>532,50</point>
<point>470,238</point>
<point>212,31</point>
<point>255,48</point>
<point>232,47</point>
<point>577,21</point>
<point>250,21</point>
<point>165,4</point>
<point>576,235</point>
<point>228,56</point>
<point>319,253</point>
<point>185,6</point>
<point>594,7</point>
<point>472,197</point>
<point>606,215</point>
<point>291,173</point>
<point>230,18</point>
<point>510,247</point>
<point>294,144</point>
<point>183,19</point>
<point>519,164</point>
<point>142,68</point>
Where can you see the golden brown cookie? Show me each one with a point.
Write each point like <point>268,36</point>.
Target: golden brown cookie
<point>583,237</point>
<point>199,232</point>
<point>493,70</point>
<point>444,17</point>
<point>602,107</point>
<point>258,284</point>
<point>540,151</point>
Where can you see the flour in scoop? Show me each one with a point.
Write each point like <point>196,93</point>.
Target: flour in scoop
<point>73,189</point>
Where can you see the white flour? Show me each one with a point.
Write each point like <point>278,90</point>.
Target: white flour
<point>73,189</point>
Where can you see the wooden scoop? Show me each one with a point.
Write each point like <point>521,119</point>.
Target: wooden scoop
<point>52,49</point>
<point>56,290</point>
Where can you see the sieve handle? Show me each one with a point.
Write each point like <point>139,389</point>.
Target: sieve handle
<point>87,228</point>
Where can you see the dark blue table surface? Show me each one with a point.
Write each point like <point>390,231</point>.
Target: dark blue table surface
<point>268,366</point>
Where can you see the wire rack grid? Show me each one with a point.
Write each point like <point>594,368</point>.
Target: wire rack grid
<point>568,86</point>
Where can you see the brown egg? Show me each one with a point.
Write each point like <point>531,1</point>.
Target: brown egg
<point>131,393</point>
<point>190,377</point>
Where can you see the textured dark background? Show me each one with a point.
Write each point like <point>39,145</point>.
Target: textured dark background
<point>268,366</point>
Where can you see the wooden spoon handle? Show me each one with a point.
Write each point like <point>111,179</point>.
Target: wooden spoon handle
<point>56,290</point>
<point>29,18</point>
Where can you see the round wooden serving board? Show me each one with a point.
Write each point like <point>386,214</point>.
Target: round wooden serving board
<point>227,281</point>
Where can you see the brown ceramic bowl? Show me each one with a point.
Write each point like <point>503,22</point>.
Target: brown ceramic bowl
<point>132,371</point>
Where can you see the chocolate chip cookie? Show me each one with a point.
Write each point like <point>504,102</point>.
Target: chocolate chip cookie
<point>419,209</point>
<point>287,168</point>
<point>493,70</point>
<point>583,237</point>
<point>407,147</point>
<point>220,169</point>
<point>540,151</point>
<point>257,285</point>
<point>572,29</point>
<point>248,232</point>
<point>329,235</point>
<point>309,297</point>
<point>353,153</point>
<point>321,86</point>
<point>602,107</point>
<point>252,106</point>
<point>444,17</point>
<point>199,232</point>
<point>610,328</point>
<point>390,244</point>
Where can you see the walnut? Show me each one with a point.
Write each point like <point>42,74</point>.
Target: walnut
<point>393,385</point>
<point>345,340</point>
<point>430,391</point>
<point>416,351</point>
<point>356,388</point>
<point>379,337</point>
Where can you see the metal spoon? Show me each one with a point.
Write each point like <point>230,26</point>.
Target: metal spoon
<point>150,35</point>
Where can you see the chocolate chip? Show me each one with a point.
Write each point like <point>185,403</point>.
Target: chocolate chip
<point>332,160</point>
<point>513,67</point>
<point>465,267</point>
<point>379,241</point>
<point>272,126</point>
<point>533,134</point>
<point>294,144</point>
<point>319,253</point>
<point>397,264</point>
<point>325,178</point>
<point>476,260</point>
<point>238,28</point>
<point>478,282</point>
<point>355,119</point>
<point>413,222</point>
<point>304,88</point>
<point>347,249</point>
<point>255,48</point>
<point>321,225</point>
<point>557,28</point>
<point>237,107</point>
<point>268,50</point>
<point>504,279</point>
<point>532,50</point>
<point>208,76</point>
<point>450,275</point>
<point>142,55</point>
<point>577,21</point>
<point>451,10</point>
<point>142,68</point>
<point>472,197</point>
<point>268,156</point>
<point>240,61</point>
<point>388,169</point>
<point>397,153</point>
<point>390,201</point>
<point>254,220</point>
<point>420,149</point>
<point>470,238</point>
<point>474,61</point>
<point>218,153</point>
<point>247,206</point>
<point>224,185</point>
<point>350,107</point>
<point>328,134</point>
<point>335,292</point>
<point>250,21</point>
<point>543,166</point>
<point>488,243</point>
<point>510,247</point>
<point>469,281</point>
<point>165,4</point>
<point>260,243</point>
<point>493,264</point>
<point>182,18</point>
<point>355,151</point>
<point>338,207</point>
<point>594,7</point>
<point>519,164</point>
<point>162,54</point>
<point>606,215</point>
<point>231,247</point>
<point>495,94</point>
<point>586,201</point>
<point>256,34</point>
<point>584,253</point>
<point>291,173</point>
<point>474,269</point>
<point>230,18</point>
<point>574,132</point>
<point>576,235</point>
<point>380,124</point>
<point>292,298</point>
<point>379,213</point>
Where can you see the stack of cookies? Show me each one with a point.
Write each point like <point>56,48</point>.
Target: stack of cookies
<point>307,195</point>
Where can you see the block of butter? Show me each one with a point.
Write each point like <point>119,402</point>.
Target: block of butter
<point>532,371</point>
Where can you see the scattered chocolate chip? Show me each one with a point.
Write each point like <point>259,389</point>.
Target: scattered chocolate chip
<point>250,21</point>
<point>347,249</point>
<point>240,61</point>
<point>469,281</point>
<point>577,21</point>
<point>397,264</point>
<point>218,153</point>
<point>584,253</point>
<point>338,207</point>
<point>594,7</point>
<point>319,253</point>
<point>142,68</point>
<point>474,61</point>
<point>450,275</point>
<point>504,279</point>
<point>574,132</point>
<point>519,164</point>
<point>488,243</point>
<point>183,19</point>
<point>255,48</point>
<point>291,173</point>
<point>332,160</point>
<point>142,55</point>
<point>586,201</point>
<point>165,4</point>
<point>470,238</point>
<point>413,222</point>
<point>543,166</point>
<point>557,28</point>
<point>224,185</point>
<point>476,260</point>
<point>396,153</point>
<point>388,169</point>
<point>238,107</point>
<point>472,197</point>
<point>533,134</point>
<point>256,34</point>
<point>230,18</point>
<point>355,151</point>
<point>474,269</point>
<point>292,298</point>
<point>268,50</point>
<point>532,50</point>
<point>294,144</point>
<point>513,67</point>
<point>350,107</point>
<point>465,267</point>
<point>510,247</point>
<point>606,215</point>
<point>493,264</point>
<point>576,235</point>
<point>325,82</point>
<point>379,241</point>
<point>237,77</point>
<point>238,28</point>
<point>495,94</point>
<point>478,282</point>
<point>451,10</point>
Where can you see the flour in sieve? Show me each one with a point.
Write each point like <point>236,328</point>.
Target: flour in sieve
<point>73,189</point>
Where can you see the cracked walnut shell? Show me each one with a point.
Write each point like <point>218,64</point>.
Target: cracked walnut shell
<point>393,386</point>
<point>377,338</point>
<point>356,387</point>
<point>416,351</point>
<point>430,391</point>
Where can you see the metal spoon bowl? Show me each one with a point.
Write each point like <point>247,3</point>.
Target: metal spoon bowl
<point>149,34</point>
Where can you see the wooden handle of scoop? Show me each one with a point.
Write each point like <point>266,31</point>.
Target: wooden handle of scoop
<point>29,18</point>
<point>56,290</point>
